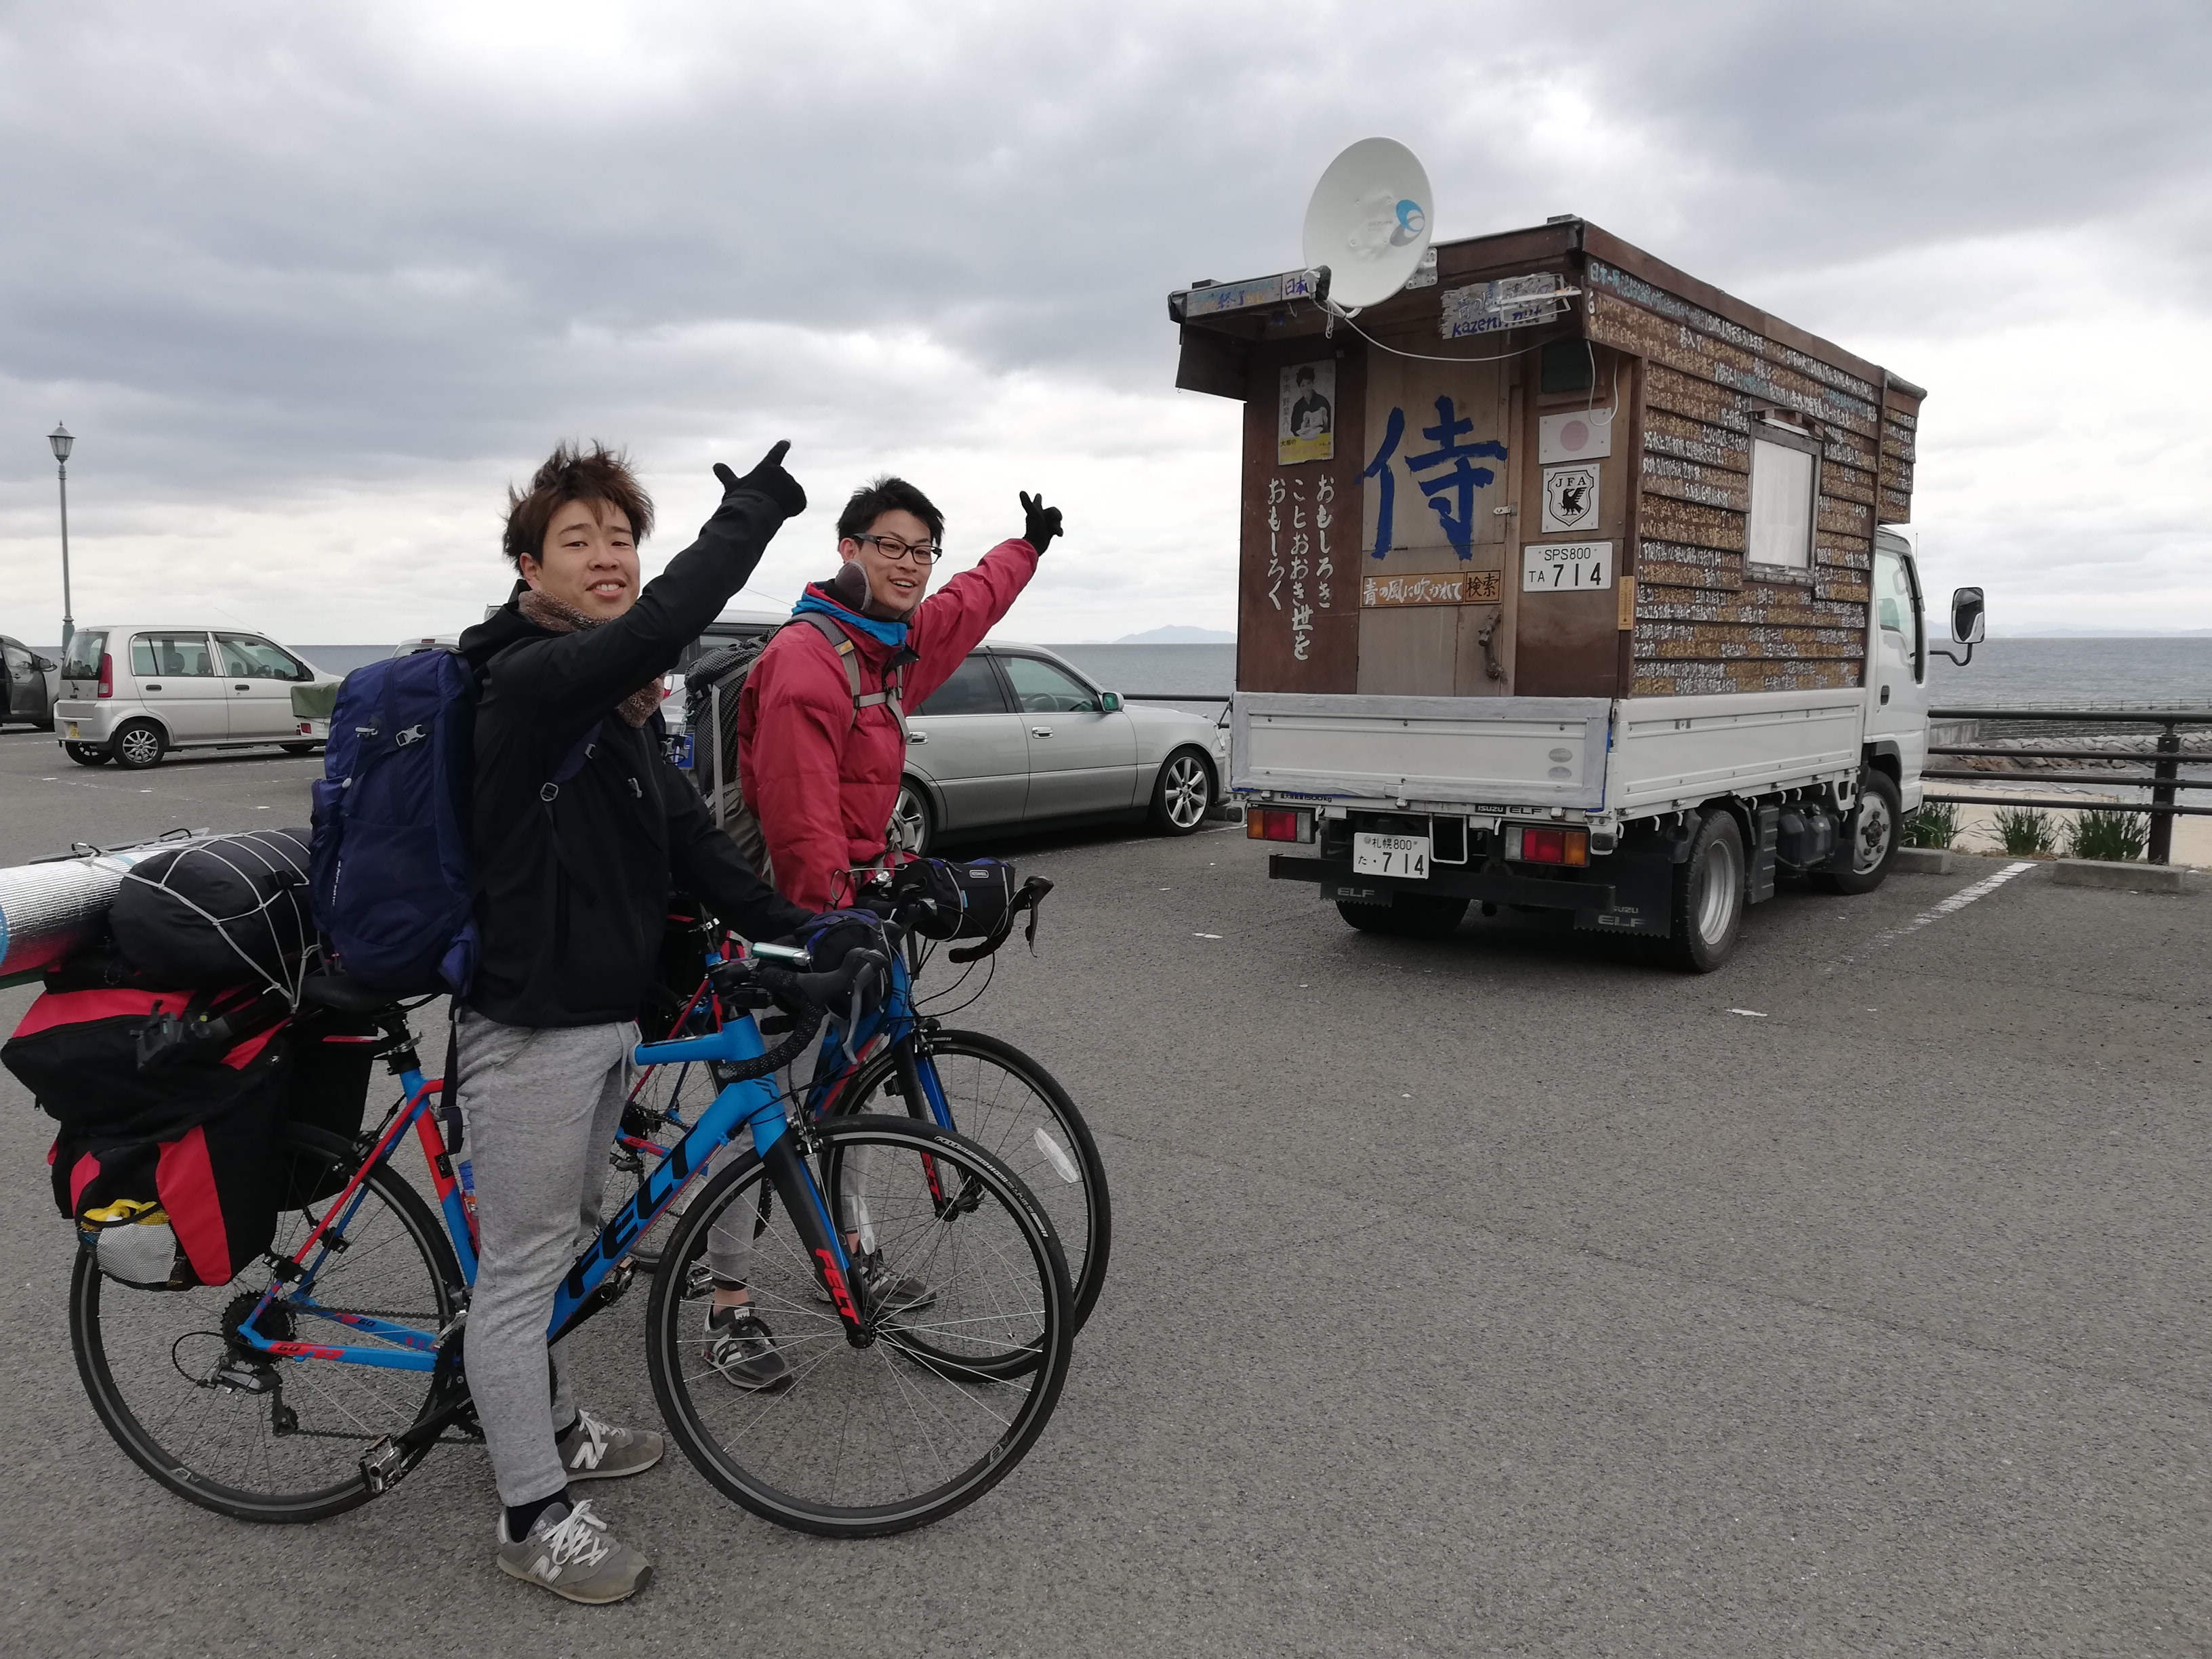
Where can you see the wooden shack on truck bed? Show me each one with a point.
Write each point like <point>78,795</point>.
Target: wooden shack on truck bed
<point>1554,466</point>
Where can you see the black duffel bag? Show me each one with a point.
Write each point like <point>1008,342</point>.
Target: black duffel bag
<point>217,911</point>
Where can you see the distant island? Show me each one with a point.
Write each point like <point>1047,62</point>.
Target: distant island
<point>1178,634</point>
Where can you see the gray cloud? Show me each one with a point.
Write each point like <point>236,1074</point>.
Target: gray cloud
<point>261,252</point>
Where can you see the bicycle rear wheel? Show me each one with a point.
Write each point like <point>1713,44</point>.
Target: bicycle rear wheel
<point>858,1441</point>
<point>232,1429</point>
<point>1010,1106</point>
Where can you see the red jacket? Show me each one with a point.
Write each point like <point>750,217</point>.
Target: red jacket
<point>824,782</point>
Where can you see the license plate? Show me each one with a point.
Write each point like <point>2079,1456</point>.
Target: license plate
<point>72,726</point>
<point>1406,856</point>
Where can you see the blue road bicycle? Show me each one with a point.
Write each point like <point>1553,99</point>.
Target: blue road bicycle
<point>321,1376</point>
<point>903,1060</point>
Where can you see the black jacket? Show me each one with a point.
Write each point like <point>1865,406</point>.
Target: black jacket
<point>572,893</point>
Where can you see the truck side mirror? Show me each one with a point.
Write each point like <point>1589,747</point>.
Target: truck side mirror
<point>45,664</point>
<point>1966,619</point>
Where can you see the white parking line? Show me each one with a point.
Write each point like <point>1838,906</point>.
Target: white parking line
<point>1958,901</point>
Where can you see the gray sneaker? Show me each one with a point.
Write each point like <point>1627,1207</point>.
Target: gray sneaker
<point>571,1553</point>
<point>594,1451</point>
<point>884,1289</point>
<point>740,1345</point>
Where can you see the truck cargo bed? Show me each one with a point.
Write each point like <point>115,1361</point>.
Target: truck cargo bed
<point>1638,756</point>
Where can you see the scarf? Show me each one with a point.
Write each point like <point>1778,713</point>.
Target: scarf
<point>556,617</point>
<point>888,633</point>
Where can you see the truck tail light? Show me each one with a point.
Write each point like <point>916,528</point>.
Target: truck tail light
<point>1530,843</point>
<point>107,675</point>
<point>1278,823</point>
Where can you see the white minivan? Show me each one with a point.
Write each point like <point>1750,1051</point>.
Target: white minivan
<point>130,694</point>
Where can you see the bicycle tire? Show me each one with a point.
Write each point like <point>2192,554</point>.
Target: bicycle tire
<point>98,1329</point>
<point>1086,1229</point>
<point>843,1448</point>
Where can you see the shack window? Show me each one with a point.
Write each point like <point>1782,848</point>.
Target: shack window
<point>1785,481</point>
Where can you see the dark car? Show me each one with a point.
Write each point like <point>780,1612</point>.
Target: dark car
<point>26,693</point>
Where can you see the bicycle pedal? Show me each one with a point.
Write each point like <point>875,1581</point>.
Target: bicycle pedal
<point>382,1466</point>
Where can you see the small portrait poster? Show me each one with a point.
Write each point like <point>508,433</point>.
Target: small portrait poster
<point>1305,427</point>
<point>1570,498</point>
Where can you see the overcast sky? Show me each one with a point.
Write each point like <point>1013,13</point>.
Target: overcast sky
<point>313,283</point>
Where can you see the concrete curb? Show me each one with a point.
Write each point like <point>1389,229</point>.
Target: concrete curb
<point>2110,874</point>
<point>1924,860</point>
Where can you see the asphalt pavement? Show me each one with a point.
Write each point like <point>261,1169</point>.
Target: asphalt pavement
<point>1495,1295</point>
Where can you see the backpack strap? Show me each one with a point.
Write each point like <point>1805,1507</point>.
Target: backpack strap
<point>579,752</point>
<point>891,696</point>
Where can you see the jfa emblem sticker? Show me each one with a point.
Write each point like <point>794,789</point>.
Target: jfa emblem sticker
<point>1570,498</point>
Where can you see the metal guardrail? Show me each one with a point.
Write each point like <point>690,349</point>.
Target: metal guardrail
<point>2165,759</point>
<point>1174,697</point>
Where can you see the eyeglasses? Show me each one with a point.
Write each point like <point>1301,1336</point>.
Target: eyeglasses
<point>892,548</point>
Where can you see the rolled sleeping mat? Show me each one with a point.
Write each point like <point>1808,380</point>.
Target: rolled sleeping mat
<point>50,909</point>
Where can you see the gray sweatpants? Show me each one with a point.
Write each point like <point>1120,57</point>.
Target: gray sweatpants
<point>542,1106</point>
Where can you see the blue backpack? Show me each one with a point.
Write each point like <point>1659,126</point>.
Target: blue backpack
<point>393,881</point>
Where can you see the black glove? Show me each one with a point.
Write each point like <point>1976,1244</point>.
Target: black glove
<point>768,479</point>
<point>834,935</point>
<point>1043,522</point>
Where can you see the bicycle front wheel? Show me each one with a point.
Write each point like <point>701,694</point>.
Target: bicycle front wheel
<point>857,1442</point>
<point>227,1427</point>
<point>1010,1106</point>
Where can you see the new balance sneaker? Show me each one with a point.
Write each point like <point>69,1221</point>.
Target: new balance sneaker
<point>572,1553</point>
<point>594,1451</point>
<point>884,1289</point>
<point>740,1345</point>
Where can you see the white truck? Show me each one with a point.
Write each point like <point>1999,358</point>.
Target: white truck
<point>1567,582</point>
<point>1662,816</point>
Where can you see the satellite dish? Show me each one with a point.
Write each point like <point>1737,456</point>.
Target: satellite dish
<point>1369,222</point>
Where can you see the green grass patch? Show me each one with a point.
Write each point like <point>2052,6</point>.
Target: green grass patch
<point>1932,826</point>
<point>2026,830</point>
<point>2108,833</point>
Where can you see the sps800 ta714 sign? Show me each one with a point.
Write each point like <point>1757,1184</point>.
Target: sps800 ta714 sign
<point>1565,567</point>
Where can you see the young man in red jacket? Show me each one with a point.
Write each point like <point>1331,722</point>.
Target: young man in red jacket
<point>820,764</point>
<point>821,774</point>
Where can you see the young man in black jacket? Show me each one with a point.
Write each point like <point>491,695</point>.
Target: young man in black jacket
<point>575,876</point>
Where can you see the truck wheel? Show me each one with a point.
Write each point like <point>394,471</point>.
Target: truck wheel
<point>1181,794</point>
<point>1708,905</point>
<point>1409,916</point>
<point>87,754</point>
<point>137,746</point>
<point>1870,834</point>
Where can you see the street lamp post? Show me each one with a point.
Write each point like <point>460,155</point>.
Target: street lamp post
<point>62,443</point>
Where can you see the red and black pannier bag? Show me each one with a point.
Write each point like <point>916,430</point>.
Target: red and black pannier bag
<point>173,1098</point>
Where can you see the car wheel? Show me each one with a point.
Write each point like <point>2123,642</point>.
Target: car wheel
<point>1407,915</point>
<point>914,825</point>
<point>1181,793</point>
<point>87,754</point>
<point>299,748</point>
<point>1708,898</point>
<point>139,744</point>
<point>1870,834</point>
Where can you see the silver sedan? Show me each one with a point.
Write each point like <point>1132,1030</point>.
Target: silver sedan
<point>1020,736</point>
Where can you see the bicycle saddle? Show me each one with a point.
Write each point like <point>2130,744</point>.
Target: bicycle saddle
<point>342,996</point>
